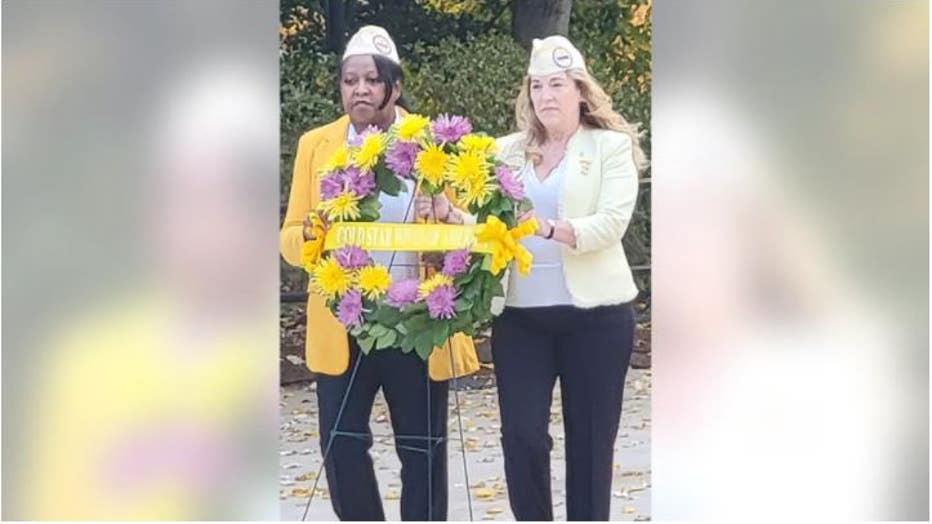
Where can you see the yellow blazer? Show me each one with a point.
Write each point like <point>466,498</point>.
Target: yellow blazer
<point>326,344</point>
<point>597,198</point>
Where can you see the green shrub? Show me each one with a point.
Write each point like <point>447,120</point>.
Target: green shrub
<point>477,78</point>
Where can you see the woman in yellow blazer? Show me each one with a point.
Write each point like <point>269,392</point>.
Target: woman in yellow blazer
<point>571,317</point>
<point>370,90</point>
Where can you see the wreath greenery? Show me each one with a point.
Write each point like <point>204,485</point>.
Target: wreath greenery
<point>455,291</point>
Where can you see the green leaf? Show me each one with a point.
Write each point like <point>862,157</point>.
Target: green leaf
<point>365,343</point>
<point>462,323</point>
<point>407,342</point>
<point>463,304</point>
<point>387,340</point>
<point>502,206</point>
<point>525,205</point>
<point>441,333</point>
<point>429,189</point>
<point>496,289</point>
<point>369,209</point>
<point>418,323</point>
<point>386,181</point>
<point>424,351</point>
<point>387,315</point>
<point>486,262</point>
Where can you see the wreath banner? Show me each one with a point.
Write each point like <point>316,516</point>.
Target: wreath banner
<point>380,236</point>
<point>462,271</point>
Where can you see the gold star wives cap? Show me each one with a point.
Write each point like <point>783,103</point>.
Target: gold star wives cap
<point>554,54</point>
<point>372,40</point>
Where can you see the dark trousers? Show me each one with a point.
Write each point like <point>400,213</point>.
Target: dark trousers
<point>403,378</point>
<point>589,351</point>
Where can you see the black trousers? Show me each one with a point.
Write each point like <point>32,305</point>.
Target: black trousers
<point>403,378</point>
<point>589,351</point>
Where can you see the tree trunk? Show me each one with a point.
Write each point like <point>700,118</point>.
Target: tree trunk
<point>336,25</point>
<point>532,19</point>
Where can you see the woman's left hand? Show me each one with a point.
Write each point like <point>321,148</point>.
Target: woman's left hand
<point>542,226</point>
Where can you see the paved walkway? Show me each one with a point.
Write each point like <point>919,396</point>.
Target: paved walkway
<point>301,457</point>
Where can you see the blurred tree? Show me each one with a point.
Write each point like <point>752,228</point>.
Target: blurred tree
<point>532,19</point>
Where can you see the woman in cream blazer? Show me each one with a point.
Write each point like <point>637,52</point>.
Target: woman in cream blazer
<point>571,317</point>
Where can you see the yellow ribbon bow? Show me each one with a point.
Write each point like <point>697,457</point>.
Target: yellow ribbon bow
<point>504,243</point>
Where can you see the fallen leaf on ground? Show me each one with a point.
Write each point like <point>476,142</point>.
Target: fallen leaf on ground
<point>485,493</point>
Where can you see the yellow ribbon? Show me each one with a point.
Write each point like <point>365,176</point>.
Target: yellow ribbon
<point>504,243</point>
<point>492,238</point>
<point>379,236</point>
<point>312,249</point>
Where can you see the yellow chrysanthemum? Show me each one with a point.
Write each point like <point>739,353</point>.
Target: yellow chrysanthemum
<point>342,207</point>
<point>329,278</point>
<point>467,168</point>
<point>370,149</point>
<point>477,191</point>
<point>431,163</point>
<point>412,127</point>
<point>374,281</point>
<point>339,160</point>
<point>479,144</point>
<point>432,283</point>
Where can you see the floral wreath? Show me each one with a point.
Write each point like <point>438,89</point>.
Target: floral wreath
<point>454,296</point>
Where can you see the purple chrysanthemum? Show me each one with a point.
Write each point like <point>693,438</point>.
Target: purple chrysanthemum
<point>511,186</point>
<point>349,310</point>
<point>331,185</point>
<point>447,128</point>
<point>360,182</point>
<point>351,257</point>
<point>402,293</point>
<point>440,302</point>
<point>454,262</point>
<point>400,158</point>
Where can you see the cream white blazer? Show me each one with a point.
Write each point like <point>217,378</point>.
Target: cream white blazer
<point>597,198</point>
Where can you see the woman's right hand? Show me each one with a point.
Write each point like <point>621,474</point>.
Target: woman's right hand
<point>308,229</point>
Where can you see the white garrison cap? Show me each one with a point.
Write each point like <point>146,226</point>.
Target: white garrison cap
<point>372,40</point>
<point>554,54</point>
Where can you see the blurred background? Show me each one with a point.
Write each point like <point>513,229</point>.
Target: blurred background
<point>790,260</point>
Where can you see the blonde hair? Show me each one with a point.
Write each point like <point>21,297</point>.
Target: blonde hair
<point>595,111</point>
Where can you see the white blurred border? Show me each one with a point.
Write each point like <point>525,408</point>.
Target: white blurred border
<point>140,209</point>
<point>790,265</point>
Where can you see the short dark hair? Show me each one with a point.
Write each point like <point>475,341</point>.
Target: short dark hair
<point>389,73</point>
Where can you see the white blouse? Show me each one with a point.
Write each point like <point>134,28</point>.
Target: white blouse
<point>546,284</point>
